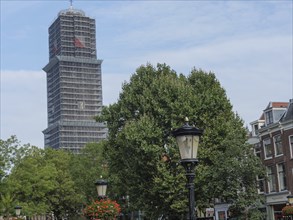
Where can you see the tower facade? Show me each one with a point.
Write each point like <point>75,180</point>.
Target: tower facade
<point>74,83</point>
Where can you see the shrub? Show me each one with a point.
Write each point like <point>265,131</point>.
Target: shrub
<point>104,209</point>
<point>287,210</point>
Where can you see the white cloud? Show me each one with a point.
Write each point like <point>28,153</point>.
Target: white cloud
<point>23,105</point>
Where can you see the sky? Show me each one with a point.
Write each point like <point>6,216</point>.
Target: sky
<point>247,44</point>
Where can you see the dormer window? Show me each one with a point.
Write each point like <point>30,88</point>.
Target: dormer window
<point>274,112</point>
<point>269,117</point>
<point>256,125</point>
<point>256,129</point>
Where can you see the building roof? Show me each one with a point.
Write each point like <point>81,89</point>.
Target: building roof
<point>72,11</point>
<point>277,105</point>
<point>262,117</point>
<point>289,113</point>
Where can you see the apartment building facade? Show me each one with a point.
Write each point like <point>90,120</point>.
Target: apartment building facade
<point>272,138</point>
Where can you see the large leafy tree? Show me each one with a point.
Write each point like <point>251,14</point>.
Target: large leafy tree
<point>155,100</point>
<point>41,183</point>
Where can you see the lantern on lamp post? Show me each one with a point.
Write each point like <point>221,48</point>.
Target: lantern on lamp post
<point>187,138</point>
<point>17,210</point>
<point>101,186</point>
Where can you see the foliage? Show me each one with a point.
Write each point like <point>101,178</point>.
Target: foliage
<point>287,210</point>
<point>86,167</point>
<point>40,182</point>
<point>6,204</point>
<point>7,154</point>
<point>44,181</point>
<point>102,210</point>
<point>244,212</point>
<point>11,153</point>
<point>155,100</point>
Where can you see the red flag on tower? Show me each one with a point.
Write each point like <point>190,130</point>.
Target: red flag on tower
<point>79,42</point>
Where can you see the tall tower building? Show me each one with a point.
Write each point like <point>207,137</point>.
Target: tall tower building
<point>74,84</point>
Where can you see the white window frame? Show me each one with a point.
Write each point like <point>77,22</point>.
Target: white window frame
<point>271,184</point>
<point>265,149</point>
<point>257,149</point>
<point>269,117</point>
<point>275,146</point>
<point>260,180</point>
<point>255,129</point>
<point>284,186</point>
<point>291,146</point>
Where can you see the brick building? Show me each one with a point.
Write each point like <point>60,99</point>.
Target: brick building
<point>272,137</point>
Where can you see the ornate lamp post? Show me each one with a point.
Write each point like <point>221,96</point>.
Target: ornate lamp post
<point>101,186</point>
<point>17,210</point>
<point>187,138</point>
<point>103,208</point>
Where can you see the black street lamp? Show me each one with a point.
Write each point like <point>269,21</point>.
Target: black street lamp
<point>187,138</point>
<point>17,210</point>
<point>101,186</point>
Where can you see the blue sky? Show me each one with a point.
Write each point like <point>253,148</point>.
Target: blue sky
<point>247,44</point>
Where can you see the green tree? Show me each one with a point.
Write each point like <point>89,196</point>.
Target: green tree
<point>155,100</point>
<point>45,181</point>
<point>86,168</point>
<point>227,161</point>
<point>64,198</point>
<point>41,183</point>
<point>11,153</point>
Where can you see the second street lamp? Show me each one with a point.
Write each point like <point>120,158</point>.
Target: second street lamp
<point>187,138</point>
<point>17,210</point>
<point>101,185</point>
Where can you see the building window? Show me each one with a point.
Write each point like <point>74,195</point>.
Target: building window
<point>257,150</point>
<point>260,184</point>
<point>278,145</point>
<point>221,215</point>
<point>271,179</point>
<point>291,145</point>
<point>269,117</point>
<point>268,148</point>
<point>282,177</point>
<point>256,129</point>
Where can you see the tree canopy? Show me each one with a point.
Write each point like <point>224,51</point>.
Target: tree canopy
<point>48,181</point>
<point>140,159</point>
<point>154,101</point>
